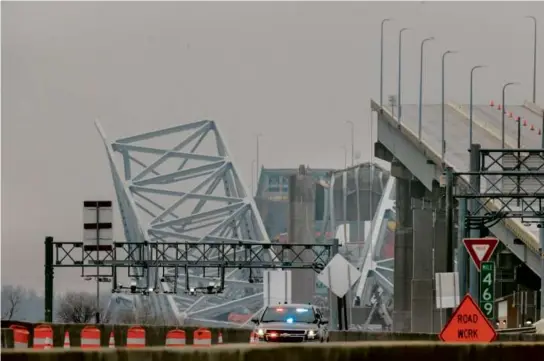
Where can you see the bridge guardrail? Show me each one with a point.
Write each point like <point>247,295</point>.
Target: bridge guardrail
<point>524,330</point>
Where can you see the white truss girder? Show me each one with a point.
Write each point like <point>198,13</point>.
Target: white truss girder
<point>188,190</point>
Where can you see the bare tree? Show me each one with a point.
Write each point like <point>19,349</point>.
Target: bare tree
<point>77,307</point>
<point>12,297</point>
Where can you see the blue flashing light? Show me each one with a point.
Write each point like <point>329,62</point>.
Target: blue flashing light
<point>289,320</point>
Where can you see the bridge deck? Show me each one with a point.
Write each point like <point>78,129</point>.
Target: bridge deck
<point>490,117</point>
<point>486,131</point>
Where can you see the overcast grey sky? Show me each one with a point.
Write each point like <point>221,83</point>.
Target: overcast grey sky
<point>294,71</point>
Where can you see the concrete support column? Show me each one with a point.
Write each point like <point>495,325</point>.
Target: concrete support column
<point>422,283</point>
<point>462,254</point>
<point>302,230</point>
<point>403,249</point>
<point>440,250</point>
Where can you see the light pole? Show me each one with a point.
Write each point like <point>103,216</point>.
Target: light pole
<point>504,110</point>
<point>442,104</point>
<point>534,59</point>
<point>253,185</point>
<point>421,87</point>
<point>381,61</point>
<point>399,100</point>
<point>470,108</point>
<point>352,141</point>
<point>257,157</point>
<point>345,156</point>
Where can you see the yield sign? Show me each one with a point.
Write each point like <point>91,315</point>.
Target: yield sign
<point>480,249</point>
<point>468,324</point>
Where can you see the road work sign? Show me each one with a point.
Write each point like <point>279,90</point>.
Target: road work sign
<point>468,324</point>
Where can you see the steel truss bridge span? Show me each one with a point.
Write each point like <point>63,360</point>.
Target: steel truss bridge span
<point>189,219</point>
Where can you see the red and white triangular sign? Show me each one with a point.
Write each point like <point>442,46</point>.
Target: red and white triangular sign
<point>480,249</point>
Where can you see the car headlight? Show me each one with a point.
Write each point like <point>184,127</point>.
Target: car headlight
<point>260,332</point>
<point>311,333</point>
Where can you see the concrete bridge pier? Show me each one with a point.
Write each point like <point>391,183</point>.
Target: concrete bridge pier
<point>440,249</point>
<point>420,252</point>
<point>422,280</point>
<point>402,275</point>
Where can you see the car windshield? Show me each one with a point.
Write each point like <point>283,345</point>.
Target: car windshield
<point>288,314</point>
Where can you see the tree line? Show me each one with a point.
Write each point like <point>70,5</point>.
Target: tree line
<point>72,307</point>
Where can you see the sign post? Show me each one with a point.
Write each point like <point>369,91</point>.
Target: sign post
<point>487,289</point>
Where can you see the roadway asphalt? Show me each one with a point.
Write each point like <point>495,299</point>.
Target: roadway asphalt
<point>491,116</point>
<point>456,132</point>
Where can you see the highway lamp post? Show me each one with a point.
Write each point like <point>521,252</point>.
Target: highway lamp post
<point>345,156</point>
<point>253,185</point>
<point>381,60</point>
<point>504,110</point>
<point>257,157</point>
<point>352,125</point>
<point>470,110</point>
<point>421,87</point>
<point>442,105</point>
<point>534,56</point>
<point>399,100</point>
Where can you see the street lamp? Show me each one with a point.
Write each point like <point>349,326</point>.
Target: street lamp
<point>352,141</point>
<point>470,109</point>
<point>257,136</point>
<point>442,103</point>
<point>399,115</point>
<point>381,61</point>
<point>504,110</point>
<point>534,59</point>
<point>253,185</point>
<point>421,86</point>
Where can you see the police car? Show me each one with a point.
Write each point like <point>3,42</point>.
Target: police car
<point>291,323</point>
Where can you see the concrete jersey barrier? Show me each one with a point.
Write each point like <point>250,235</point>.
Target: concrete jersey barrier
<point>356,351</point>
<point>156,335</point>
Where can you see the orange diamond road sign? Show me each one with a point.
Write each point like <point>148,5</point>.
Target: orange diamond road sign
<point>468,324</point>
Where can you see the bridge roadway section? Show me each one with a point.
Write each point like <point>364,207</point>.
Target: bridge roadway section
<point>411,157</point>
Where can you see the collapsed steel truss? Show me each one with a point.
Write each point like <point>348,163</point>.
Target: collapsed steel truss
<point>375,287</point>
<point>189,191</point>
<point>181,200</point>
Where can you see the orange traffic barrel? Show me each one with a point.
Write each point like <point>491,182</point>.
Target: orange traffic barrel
<point>202,337</point>
<point>491,103</point>
<point>66,340</point>
<point>253,338</point>
<point>90,337</point>
<point>111,343</point>
<point>136,337</point>
<point>43,337</point>
<point>21,336</point>
<point>175,338</point>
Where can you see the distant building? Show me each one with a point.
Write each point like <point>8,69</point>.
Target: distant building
<point>272,199</point>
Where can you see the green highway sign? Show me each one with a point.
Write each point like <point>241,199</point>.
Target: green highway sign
<point>487,289</point>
